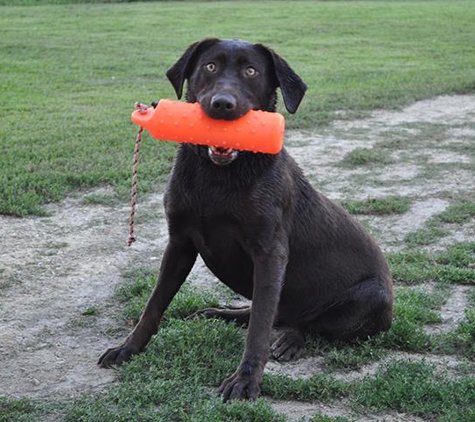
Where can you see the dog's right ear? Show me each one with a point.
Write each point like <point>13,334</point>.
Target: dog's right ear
<point>181,70</point>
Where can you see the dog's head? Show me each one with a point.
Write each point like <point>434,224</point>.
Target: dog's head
<point>230,77</point>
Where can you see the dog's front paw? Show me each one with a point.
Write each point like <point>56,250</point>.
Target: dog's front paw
<point>116,356</point>
<point>240,387</point>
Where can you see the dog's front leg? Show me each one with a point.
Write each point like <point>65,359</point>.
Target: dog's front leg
<point>177,262</point>
<point>269,271</point>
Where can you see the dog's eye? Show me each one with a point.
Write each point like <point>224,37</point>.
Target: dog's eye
<point>210,67</point>
<point>250,72</point>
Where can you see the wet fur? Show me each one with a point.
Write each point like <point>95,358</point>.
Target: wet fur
<point>261,229</point>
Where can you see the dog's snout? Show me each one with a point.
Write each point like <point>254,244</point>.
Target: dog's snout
<point>223,102</point>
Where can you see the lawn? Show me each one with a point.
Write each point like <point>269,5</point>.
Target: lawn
<point>69,75</point>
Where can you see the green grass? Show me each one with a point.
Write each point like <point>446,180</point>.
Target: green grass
<point>319,387</point>
<point>415,388</point>
<point>136,292</point>
<point>365,157</point>
<point>71,73</point>
<point>457,213</point>
<point>454,266</point>
<point>177,376</point>
<point>23,410</point>
<point>99,199</point>
<point>345,357</point>
<point>378,206</point>
<point>176,379</point>
<point>413,309</point>
<point>462,339</point>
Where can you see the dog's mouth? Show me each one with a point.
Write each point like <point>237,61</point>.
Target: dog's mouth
<point>222,156</point>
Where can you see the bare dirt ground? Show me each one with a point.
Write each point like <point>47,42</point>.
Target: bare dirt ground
<point>55,269</point>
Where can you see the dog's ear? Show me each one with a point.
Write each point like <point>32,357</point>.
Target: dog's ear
<point>292,87</point>
<point>181,70</point>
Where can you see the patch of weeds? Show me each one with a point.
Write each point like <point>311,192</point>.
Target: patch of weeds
<point>462,339</point>
<point>6,281</point>
<point>19,410</point>
<point>378,206</point>
<point>90,312</point>
<point>415,388</point>
<point>321,387</point>
<point>455,266</point>
<point>460,255</point>
<point>425,235</point>
<point>187,301</point>
<point>354,356</point>
<point>344,356</point>
<point>365,157</point>
<point>413,308</point>
<point>411,266</point>
<point>458,213</point>
<point>99,199</point>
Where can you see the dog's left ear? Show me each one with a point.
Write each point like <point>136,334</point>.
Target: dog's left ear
<point>181,70</point>
<point>292,87</point>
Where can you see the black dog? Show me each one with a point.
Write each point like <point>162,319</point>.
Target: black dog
<point>260,227</point>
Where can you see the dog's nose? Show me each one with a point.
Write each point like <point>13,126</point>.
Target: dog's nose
<point>223,103</point>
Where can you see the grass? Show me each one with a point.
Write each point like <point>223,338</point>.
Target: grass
<point>415,388</point>
<point>454,266</point>
<point>343,357</point>
<point>19,410</point>
<point>462,339</point>
<point>136,293</point>
<point>71,72</point>
<point>414,308</point>
<point>457,213</point>
<point>319,387</point>
<point>69,75</point>
<point>378,206</point>
<point>365,157</point>
<point>176,378</point>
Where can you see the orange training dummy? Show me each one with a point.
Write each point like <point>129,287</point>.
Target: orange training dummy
<point>257,131</point>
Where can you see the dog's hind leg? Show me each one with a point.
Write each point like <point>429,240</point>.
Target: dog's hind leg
<point>362,311</point>
<point>238,315</point>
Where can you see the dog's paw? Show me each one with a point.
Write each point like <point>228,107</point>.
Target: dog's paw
<point>116,356</point>
<point>240,387</point>
<point>289,346</point>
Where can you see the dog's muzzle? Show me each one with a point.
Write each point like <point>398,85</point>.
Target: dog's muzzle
<point>222,156</point>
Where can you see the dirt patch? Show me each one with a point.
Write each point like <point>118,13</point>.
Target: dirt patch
<point>58,273</point>
<point>298,411</point>
<point>54,270</point>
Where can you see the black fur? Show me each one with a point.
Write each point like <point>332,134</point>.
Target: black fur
<point>260,227</point>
